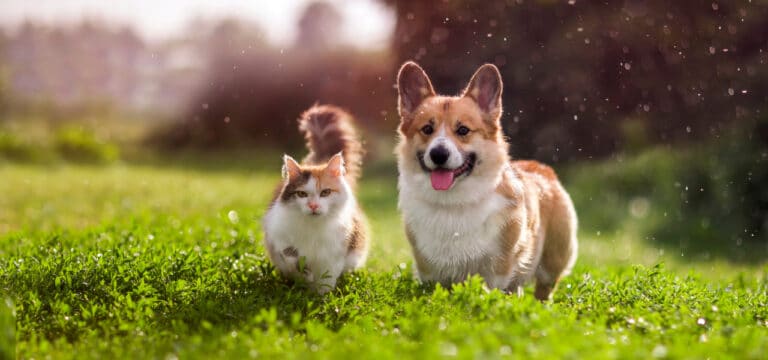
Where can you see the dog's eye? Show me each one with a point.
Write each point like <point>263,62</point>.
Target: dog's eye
<point>325,192</point>
<point>301,194</point>
<point>427,129</point>
<point>462,130</point>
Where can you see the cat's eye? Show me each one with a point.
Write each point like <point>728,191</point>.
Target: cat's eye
<point>301,194</point>
<point>462,131</point>
<point>325,192</point>
<point>427,129</point>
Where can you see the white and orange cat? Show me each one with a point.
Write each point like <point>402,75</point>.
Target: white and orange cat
<point>314,229</point>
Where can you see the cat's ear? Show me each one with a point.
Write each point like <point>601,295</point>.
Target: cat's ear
<point>335,165</point>
<point>291,168</point>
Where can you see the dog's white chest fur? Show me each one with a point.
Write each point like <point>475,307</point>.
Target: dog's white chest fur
<point>456,240</point>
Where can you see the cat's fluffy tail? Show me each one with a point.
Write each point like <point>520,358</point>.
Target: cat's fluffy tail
<point>328,130</point>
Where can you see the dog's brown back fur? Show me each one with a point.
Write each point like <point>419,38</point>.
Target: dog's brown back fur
<point>549,212</point>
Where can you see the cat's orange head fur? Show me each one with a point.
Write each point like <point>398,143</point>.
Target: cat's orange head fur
<point>314,189</point>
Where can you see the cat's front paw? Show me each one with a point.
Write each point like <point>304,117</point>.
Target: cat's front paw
<point>325,285</point>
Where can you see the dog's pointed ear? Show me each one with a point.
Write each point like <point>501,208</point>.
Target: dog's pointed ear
<point>291,168</point>
<point>413,86</point>
<point>485,88</point>
<point>335,165</point>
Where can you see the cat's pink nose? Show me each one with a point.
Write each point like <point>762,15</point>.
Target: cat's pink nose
<point>313,206</point>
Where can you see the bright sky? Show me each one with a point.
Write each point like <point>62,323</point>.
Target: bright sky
<point>367,23</point>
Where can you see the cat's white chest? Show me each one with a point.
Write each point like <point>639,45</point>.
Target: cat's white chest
<point>320,241</point>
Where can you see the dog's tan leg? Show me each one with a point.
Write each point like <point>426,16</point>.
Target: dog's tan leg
<point>560,247</point>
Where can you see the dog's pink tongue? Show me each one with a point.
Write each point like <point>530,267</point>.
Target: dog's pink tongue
<point>442,179</point>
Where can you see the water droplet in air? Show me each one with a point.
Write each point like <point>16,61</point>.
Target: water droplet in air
<point>505,350</point>
<point>639,206</point>
<point>449,349</point>
<point>233,217</point>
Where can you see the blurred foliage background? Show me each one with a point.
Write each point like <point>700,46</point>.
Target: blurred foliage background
<point>655,111</point>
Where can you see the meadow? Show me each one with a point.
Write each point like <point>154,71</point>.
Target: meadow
<point>162,258</point>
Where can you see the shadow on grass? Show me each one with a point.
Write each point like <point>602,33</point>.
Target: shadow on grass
<point>246,301</point>
<point>184,302</point>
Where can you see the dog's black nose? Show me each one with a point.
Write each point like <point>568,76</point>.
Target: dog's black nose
<point>439,155</point>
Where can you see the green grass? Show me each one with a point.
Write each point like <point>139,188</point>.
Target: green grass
<point>143,261</point>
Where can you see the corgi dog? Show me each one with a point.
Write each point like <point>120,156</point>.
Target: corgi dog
<point>467,208</point>
<point>314,229</point>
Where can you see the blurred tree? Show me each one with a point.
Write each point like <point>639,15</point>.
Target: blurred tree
<point>71,65</point>
<point>253,93</point>
<point>575,70</point>
<point>3,78</point>
<point>319,27</point>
